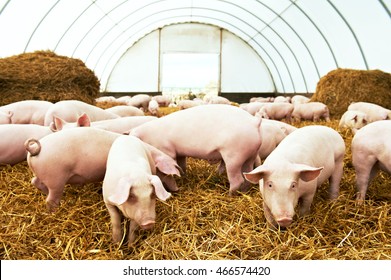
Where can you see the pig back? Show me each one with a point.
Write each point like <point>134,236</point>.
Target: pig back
<point>314,145</point>
<point>203,131</point>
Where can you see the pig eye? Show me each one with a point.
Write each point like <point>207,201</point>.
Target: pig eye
<point>293,186</point>
<point>270,185</point>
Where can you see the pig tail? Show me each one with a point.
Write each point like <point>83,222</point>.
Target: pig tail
<point>33,146</point>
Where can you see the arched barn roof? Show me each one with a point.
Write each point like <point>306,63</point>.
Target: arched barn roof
<point>297,41</point>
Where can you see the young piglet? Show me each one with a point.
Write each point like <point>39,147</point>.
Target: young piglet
<point>27,111</point>
<point>71,156</point>
<point>212,132</point>
<point>130,186</point>
<point>292,172</point>
<point>374,112</point>
<point>371,152</point>
<point>353,120</point>
<point>312,111</point>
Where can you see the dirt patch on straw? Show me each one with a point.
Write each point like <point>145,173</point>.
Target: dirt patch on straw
<point>199,222</point>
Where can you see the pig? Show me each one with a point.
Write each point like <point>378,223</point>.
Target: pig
<point>5,117</point>
<point>297,166</point>
<point>140,101</point>
<point>72,156</point>
<point>70,110</point>
<point>215,99</point>
<point>27,111</point>
<point>121,125</point>
<point>371,152</point>
<point>299,99</point>
<point>163,101</point>
<point>374,112</point>
<point>125,111</point>
<point>312,111</point>
<point>353,120</point>
<point>286,128</point>
<point>272,136</point>
<point>153,107</point>
<point>130,185</point>
<point>276,111</point>
<point>186,104</point>
<point>282,99</point>
<point>13,137</point>
<point>252,107</point>
<point>212,132</point>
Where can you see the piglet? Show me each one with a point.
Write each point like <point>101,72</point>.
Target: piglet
<point>276,111</point>
<point>212,132</point>
<point>70,110</point>
<point>371,152</point>
<point>125,111</point>
<point>13,137</point>
<point>374,112</point>
<point>27,111</point>
<point>353,120</point>
<point>130,185</point>
<point>292,172</point>
<point>312,111</point>
<point>71,156</point>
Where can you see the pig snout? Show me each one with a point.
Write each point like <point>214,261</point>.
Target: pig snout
<point>284,222</point>
<point>147,224</point>
<point>33,146</point>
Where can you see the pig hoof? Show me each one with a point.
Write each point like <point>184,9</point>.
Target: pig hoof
<point>52,206</point>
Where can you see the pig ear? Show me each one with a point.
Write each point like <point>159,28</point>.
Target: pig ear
<point>160,191</point>
<point>256,175</point>
<point>83,120</point>
<point>167,166</point>
<point>57,124</point>
<point>121,191</point>
<point>308,173</point>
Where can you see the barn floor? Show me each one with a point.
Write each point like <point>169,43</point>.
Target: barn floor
<point>199,222</point>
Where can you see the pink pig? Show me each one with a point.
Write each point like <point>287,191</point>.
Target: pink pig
<point>125,111</point>
<point>313,111</point>
<point>130,185</point>
<point>212,132</point>
<point>5,117</point>
<point>373,111</point>
<point>292,172</point>
<point>27,111</point>
<point>371,152</point>
<point>276,111</point>
<point>13,137</point>
<point>72,156</point>
<point>70,110</point>
<point>121,125</point>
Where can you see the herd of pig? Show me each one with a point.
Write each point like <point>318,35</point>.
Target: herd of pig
<point>137,157</point>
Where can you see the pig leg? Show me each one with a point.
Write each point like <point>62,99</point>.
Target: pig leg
<point>365,170</point>
<point>39,185</point>
<point>115,217</point>
<point>54,196</point>
<point>335,180</point>
<point>182,163</point>
<point>306,201</point>
<point>132,235</point>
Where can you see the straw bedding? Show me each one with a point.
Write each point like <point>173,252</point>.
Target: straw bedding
<point>341,87</point>
<point>44,75</point>
<point>199,222</point>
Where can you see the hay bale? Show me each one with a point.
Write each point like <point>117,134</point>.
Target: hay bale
<point>43,75</point>
<point>341,87</point>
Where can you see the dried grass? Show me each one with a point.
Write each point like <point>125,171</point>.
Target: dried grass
<point>200,222</point>
<point>43,75</point>
<point>341,87</point>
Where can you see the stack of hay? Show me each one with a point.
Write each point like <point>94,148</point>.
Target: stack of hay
<point>341,87</point>
<point>43,75</point>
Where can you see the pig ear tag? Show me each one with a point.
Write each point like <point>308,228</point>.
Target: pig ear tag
<point>121,192</point>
